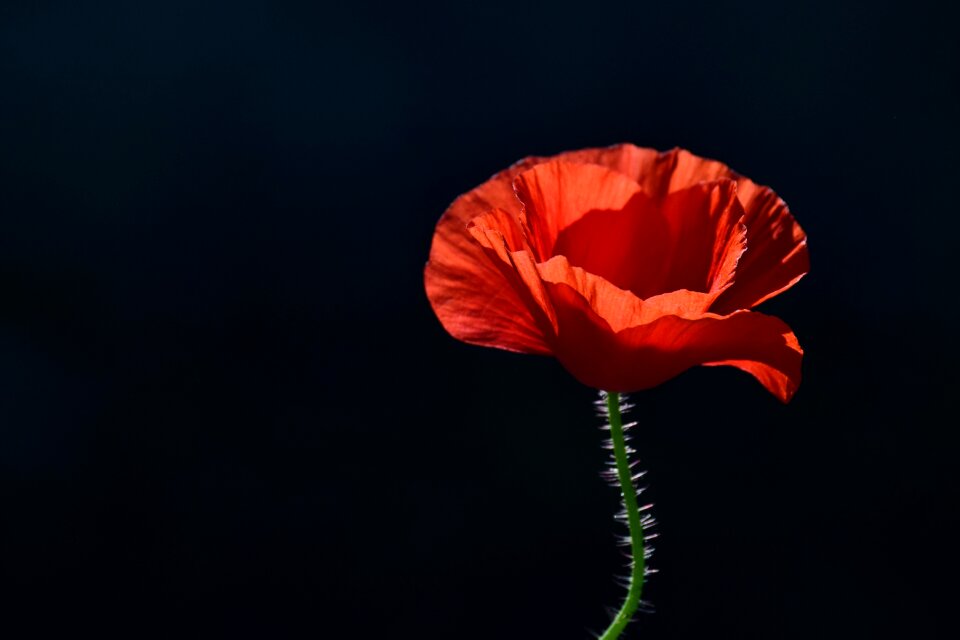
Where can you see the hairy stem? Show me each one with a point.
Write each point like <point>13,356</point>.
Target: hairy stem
<point>629,494</point>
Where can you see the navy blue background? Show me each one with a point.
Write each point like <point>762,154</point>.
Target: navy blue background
<point>227,410</point>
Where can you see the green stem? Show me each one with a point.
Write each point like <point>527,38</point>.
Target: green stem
<point>629,493</point>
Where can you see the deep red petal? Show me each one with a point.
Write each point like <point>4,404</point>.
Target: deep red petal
<point>690,239</point>
<point>517,266</point>
<point>646,167</point>
<point>619,308</point>
<point>468,291</point>
<point>777,255</point>
<point>610,339</point>
<point>557,194</point>
<point>657,172</point>
<point>482,298</point>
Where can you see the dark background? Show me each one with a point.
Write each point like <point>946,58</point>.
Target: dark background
<point>227,410</point>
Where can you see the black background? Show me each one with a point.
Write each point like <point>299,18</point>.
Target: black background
<point>228,410</point>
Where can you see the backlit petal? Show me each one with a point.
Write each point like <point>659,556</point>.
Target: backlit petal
<point>467,290</point>
<point>610,339</point>
<point>558,194</point>
<point>776,256</point>
<point>690,239</point>
<point>626,264</point>
<point>644,356</point>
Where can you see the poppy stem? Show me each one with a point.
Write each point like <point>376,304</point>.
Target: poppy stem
<point>629,494</point>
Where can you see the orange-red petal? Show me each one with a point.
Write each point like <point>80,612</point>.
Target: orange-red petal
<point>689,239</point>
<point>468,291</point>
<point>487,287</point>
<point>556,195</point>
<point>776,256</point>
<point>610,339</point>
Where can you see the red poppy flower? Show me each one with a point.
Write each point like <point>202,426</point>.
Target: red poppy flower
<point>628,265</point>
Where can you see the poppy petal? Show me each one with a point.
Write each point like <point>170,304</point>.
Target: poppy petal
<point>643,166</point>
<point>473,300</point>
<point>621,309</point>
<point>499,276</point>
<point>517,266</point>
<point>657,172</point>
<point>610,339</point>
<point>557,194</point>
<point>777,255</point>
<point>690,239</point>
